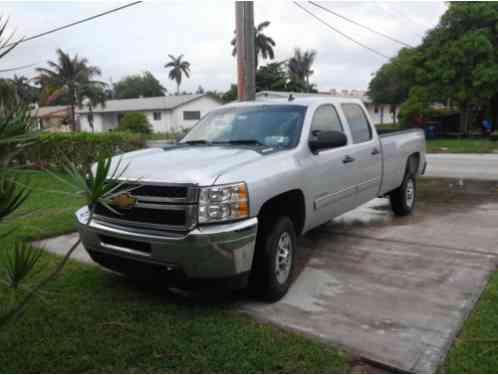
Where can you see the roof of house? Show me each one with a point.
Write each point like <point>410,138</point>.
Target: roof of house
<point>51,111</point>
<point>146,104</point>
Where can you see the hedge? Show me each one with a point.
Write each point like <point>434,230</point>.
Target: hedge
<point>55,149</point>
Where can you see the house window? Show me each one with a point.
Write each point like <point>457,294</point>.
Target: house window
<point>157,116</point>
<point>191,115</point>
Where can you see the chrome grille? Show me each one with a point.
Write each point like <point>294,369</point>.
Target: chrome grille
<point>158,207</point>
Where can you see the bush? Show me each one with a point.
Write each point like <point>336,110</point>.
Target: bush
<point>54,149</point>
<point>135,122</point>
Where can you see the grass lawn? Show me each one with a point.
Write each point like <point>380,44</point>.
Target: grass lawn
<point>467,145</point>
<point>88,320</point>
<point>49,211</point>
<point>476,348</point>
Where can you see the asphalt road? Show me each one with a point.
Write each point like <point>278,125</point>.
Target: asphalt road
<point>465,166</point>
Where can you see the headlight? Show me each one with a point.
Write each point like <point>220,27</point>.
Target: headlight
<point>223,203</point>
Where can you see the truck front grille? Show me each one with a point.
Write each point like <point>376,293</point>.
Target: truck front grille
<point>159,207</point>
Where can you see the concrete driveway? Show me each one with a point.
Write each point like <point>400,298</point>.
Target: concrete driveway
<point>395,290</point>
<point>392,290</point>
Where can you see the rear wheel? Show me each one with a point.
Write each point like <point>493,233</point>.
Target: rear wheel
<point>403,198</point>
<point>274,261</point>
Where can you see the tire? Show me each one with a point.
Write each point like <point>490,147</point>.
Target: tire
<point>275,246</point>
<point>403,199</point>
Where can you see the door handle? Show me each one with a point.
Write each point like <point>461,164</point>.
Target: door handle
<point>375,151</point>
<point>348,159</point>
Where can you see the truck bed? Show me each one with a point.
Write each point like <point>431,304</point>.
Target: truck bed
<point>397,146</point>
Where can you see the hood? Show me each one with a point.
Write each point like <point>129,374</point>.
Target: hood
<point>199,165</point>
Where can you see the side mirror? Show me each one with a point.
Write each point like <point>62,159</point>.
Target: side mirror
<point>324,140</point>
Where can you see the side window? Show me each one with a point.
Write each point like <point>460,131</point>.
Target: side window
<point>326,118</point>
<point>358,123</point>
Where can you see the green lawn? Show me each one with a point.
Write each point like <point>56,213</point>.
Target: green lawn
<point>88,320</point>
<point>476,348</point>
<point>49,211</point>
<point>467,145</point>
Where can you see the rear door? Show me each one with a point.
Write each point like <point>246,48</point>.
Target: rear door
<point>365,152</point>
<point>330,179</point>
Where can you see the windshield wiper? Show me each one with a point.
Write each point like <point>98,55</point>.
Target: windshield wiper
<point>196,142</point>
<point>242,142</point>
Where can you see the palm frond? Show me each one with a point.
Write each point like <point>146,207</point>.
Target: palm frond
<point>20,263</point>
<point>11,196</point>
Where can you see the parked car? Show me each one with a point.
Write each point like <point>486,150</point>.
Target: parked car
<point>225,205</point>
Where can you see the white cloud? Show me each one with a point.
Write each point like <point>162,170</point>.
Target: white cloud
<point>141,37</point>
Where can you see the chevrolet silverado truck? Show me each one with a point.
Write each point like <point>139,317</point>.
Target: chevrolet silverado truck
<point>226,203</point>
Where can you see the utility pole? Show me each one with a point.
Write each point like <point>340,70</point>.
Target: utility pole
<point>246,57</point>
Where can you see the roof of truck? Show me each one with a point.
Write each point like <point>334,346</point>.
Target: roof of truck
<point>302,100</point>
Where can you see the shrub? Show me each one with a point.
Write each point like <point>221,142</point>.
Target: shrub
<point>135,122</point>
<point>82,149</point>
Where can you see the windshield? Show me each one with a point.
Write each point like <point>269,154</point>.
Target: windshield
<point>269,125</point>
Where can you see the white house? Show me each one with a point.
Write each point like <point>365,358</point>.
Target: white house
<point>165,113</point>
<point>380,114</point>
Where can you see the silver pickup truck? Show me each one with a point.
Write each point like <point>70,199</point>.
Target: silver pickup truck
<point>226,203</point>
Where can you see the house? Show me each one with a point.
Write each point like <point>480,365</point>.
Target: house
<point>379,113</point>
<point>165,113</point>
<point>53,118</point>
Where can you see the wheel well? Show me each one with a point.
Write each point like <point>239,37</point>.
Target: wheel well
<point>412,163</point>
<point>290,203</point>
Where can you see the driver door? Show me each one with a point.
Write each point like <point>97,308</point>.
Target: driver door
<point>329,173</point>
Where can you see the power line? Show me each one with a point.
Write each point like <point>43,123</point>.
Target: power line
<point>397,15</point>
<point>360,25</point>
<point>340,32</point>
<point>70,25</point>
<point>16,68</point>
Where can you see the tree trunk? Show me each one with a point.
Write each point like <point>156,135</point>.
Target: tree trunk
<point>381,114</point>
<point>493,110</point>
<point>73,116</point>
<point>464,120</point>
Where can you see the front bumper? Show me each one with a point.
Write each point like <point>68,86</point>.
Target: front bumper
<point>208,252</point>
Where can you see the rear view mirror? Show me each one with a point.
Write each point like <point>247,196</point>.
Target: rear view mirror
<point>324,140</point>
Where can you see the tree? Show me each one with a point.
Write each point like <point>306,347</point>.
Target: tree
<point>68,77</point>
<point>300,69</point>
<point>138,85</point>
<point>272,76</point>
<point>391,84</point>
<point>231,95</point>
<point>135,122</point>
<point>457,61</point>
<point>200,90</point>
<point>263,43</point>
<point>25,92</point>
<point>178,67</point>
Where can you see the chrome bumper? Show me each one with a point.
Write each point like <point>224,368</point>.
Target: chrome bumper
<point>214,251</point>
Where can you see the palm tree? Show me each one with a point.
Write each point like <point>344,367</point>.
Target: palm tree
<point>263,44</point>
<point>178,67</point>
<point>300,68</point>
<point>70,77</point>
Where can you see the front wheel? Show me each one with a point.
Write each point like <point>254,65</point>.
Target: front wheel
<point>274,260</point>
<point>403,198</point>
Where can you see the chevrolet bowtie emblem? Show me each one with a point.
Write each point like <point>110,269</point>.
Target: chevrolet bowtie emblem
<point>124,201</point>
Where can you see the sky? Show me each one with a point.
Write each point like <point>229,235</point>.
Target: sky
<point>141,37</point>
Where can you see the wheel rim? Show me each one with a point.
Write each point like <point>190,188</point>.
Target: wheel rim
<point>283,261</point>
<point>410,193</point>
